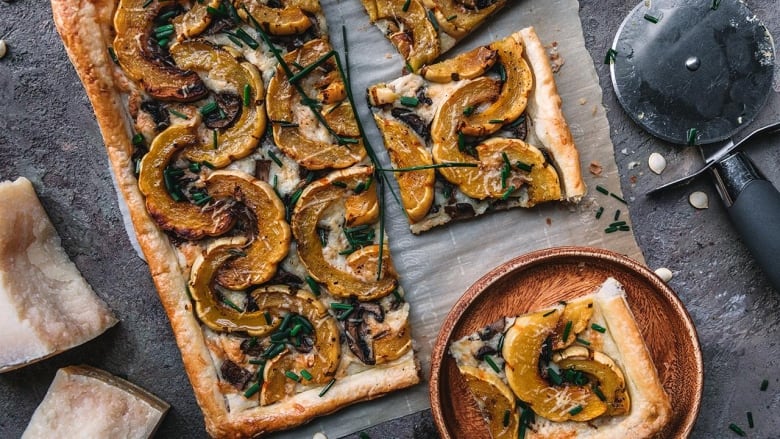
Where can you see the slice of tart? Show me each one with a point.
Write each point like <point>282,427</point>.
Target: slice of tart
<point>479,132</point>
<point>579,369</point>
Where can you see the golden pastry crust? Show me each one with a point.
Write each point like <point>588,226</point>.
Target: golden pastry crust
<point>86,28</point>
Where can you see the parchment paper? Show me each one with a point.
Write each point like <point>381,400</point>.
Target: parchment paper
<point>438,266</point>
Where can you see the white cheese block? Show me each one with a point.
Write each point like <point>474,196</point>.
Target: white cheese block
<point>46,307</point>
<point>86,402</point>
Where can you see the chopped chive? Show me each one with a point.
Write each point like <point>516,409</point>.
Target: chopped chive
<point>599,328</point>
<point>230,303</point>
<point>398,296</point>
<point>343,316</point>
<point>617,224</point>
<point>235,40</point>
<point>610,230</point>
<point>468,110</point>
<point>112,54</point>
<point>163,28</point>
<point>327,387</point>
<point>405,7</point>
<point>581,341</point>
<point>313,285</point>
<point>363,435</point>
<point>163,42</point>
<point>554,376</point>
<point>280,336</point>
<point>285,322</point>
<point>256,361</point>
<point>296,329</point>
<point>273,351</point>
<point>610,57</point>
<point>306,70</point>
<point>508,192</point>
<point>203,199</point>
<point>275,158</point>
<point>434,166</point>
<point>617,214</point>
<point>194,167</point>
<point>624,228</point>
<point>268,318</point>
<point>292,375</point>
<point>599,212</point>
<point>575,410</point>
<point>254,388</point>
<point>651,19</point>
<point>138,139</point>
<point>208,164</point>
<point>215,139</point>
<point>715,5</point>
<point>177,114</point>
<point>764,385</point>
<point>523,166</point>
<point>432,19</point>
<point>602,189</point>
<point>341,306</point>
<point>548,313</point>
<point>452,17</point>
<point>167,16</point>
<point>735,428</point>
<point>147,3</point>
<point>599,393</point>
<point>340,184</point>
<point>305,374</point>
<point>496,121</point>
<point>500,345</point>
<point>501,72</point>
<point>409,68</point>
<point>209,108</point>
<point>750,419</point>
<point>246,38</point>
<point>410,101</point>
<point>214,11</point>
<point>691,136</point>
<point>492,364</point>
<point>566,331</point>
<point>247,95</point>
<point>506,418</point>
<point>617,197</point>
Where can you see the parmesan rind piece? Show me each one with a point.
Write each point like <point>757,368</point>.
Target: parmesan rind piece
<point>83,401</point>
<point>46,307</point>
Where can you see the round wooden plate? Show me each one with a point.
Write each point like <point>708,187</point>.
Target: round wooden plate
<point>542,278</point>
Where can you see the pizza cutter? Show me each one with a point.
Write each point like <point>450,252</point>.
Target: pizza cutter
<point>697,72</point>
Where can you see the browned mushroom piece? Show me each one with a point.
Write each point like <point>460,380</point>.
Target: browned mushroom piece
<point>142,58</point>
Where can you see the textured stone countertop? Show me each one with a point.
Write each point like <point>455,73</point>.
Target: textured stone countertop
<point>48,134</point>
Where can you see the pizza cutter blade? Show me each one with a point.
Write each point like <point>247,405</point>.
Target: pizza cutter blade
<point>697,72</point>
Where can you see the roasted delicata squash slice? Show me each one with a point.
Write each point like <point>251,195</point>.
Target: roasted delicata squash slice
<point>290,19</point>
<point>408,27</point>
<point>141,58</point>
<point>467,65</point>
<point>458,18</point>
<point>157,181</point>
<point>297,130</point>
<point>220,146</point>
<point>321,361</point>
<point>195,21</point>
<point>407,150</point>
<point>604,383</point>
<point>269,242</point>
<point>219,315</point>
<point>318,197</point>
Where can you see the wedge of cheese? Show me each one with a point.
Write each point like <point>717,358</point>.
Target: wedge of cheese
<point>83,401</point>
<point>46,306</point>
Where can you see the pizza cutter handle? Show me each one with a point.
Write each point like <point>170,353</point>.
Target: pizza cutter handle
<point>753,204</point>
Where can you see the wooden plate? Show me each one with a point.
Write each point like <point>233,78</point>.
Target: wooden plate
<point>541,278</point>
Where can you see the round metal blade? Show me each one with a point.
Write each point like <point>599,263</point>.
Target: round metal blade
<point>692,64</point>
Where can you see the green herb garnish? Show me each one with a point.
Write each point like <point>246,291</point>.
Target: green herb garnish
<point>313,285</point>
<point>735,428</point>
<point>468,110</point>
<point>554,376</point>
<point>566,331</point>
<point>292,375</point>
<point>305,374</point>
<point>492,364</point>
<point>750,419</point>
<point>575,410</point>
<point>432,19</point>
<point>410,101</point>
<point>764,385</point>
<point>112,54</point>
<point>651,18</point>
<point>178,114</point>
<point>523,166</point>
<point>691,136</point>
<point>215,139</point>
<point>507,193</point>
<point>405,7</point>
<point>327,387</point>
<point>602,189</point>
<point>599,212</point>
<point>582,341</point>
<point>254,388</point>
<point>610,57</point>
<point>247,95</point>
<point>599,328</point>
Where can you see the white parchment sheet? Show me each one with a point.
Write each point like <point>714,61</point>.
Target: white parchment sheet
<point>437,267</point>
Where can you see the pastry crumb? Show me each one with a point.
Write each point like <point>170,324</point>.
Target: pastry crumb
<point>595,168</point>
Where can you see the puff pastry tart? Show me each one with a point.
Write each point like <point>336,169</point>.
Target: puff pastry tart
<point>575,370</point>
<point>481,131</point>
<point>234,144</point>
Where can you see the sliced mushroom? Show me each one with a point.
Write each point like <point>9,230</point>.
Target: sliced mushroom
<point>296,130</point>
<point>238,78</point>
<point>315,200</point>
<point>215,315</point>
<point>321,362</point>
<point>406,150</point>
<point>269,242</point>
<point>467,65</point>
<point>180,217</point>
<point>376,337</point>
<point>142,60</point>
<point>411,31</point>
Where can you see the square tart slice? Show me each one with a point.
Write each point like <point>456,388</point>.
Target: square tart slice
<point>421,30</point>
<point>479,132</point>
<point>254,199</point>
<point>579,369</point>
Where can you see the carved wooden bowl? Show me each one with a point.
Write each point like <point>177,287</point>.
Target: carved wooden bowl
<point>544,277</point>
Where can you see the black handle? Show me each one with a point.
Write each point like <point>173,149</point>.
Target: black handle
<point>754,207</point>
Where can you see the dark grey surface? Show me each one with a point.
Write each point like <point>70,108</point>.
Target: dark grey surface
<point>49,135</point>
